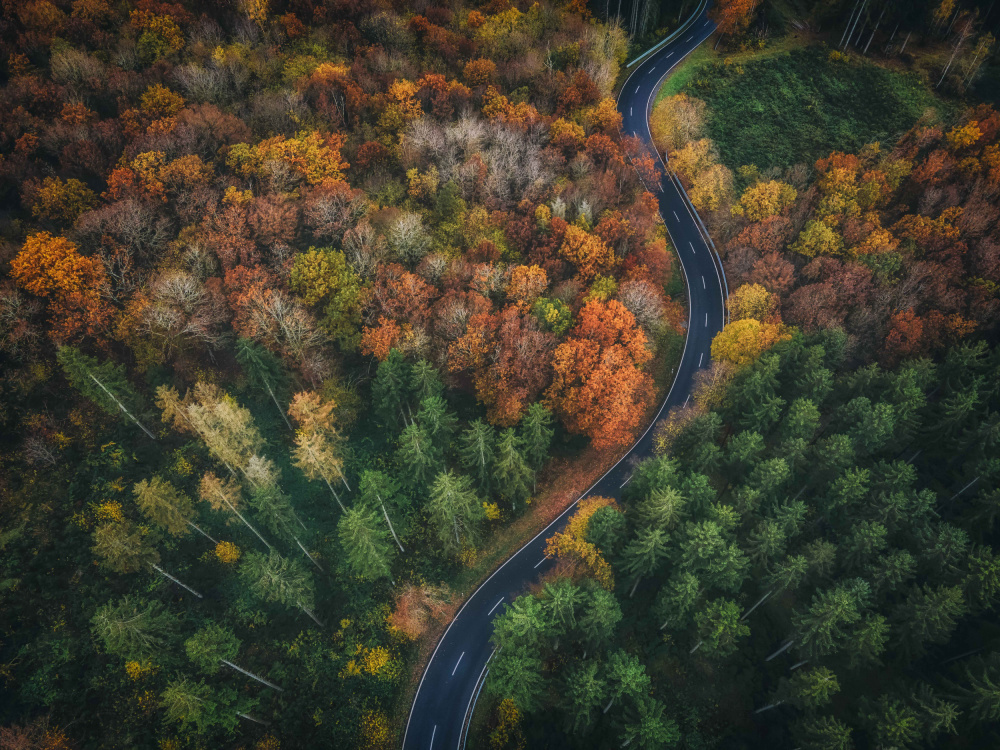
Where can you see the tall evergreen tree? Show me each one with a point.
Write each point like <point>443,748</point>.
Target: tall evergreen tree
<point>454,511</point>
<point>104,384</point>
<point>366,544</point>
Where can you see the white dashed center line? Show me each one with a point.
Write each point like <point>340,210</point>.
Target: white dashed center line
<point>676,216</point>
<point>706,320</point>
<point>692,247</point>
<point>457,663</point>
<point>703,283</point>
<point>701,358</point>
<point>687,399</point>
<point>541,561</point>
<point>496,605</point>
<point>432,737</point>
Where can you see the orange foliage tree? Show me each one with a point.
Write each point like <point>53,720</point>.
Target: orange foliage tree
<point>51,267</point>
<point>599,388</point>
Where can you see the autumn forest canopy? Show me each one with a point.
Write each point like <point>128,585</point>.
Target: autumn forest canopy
<point>313,311</point>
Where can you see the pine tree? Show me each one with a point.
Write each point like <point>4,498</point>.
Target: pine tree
<point>104,384</point>
<point>536,434</point>
<point>476,451</point>
<point>626,677</point>
<point>810,688</point>
<point>824,627</point>
<point>425,382</point>
<point>512,477</point>
<point>435,417</point>
<point>927,616</point>
<point>123,548</point>
<point>226,496</point>
<point>979,692</point>
<point>644,554</point>
<point>676,600</point>
<point>454,511</point>
<point>134,628</point>
<point>380,491</point>
<point>583,691</point>
<point>167,507</point>
<point>391,389</point>
<point>366,544</point>
<point>517,673</point>
<point>662,509</point>
<point>766,542</point>
<point>648,728</point>
<point>215,645</point>
<point>274,578</point>
<point>194,703</point>
<point>599,617</point>
<point>418,456</point>
<point>560,602</point>
<point>719,627</point>
<point>823,733</point>
<point>264,372</point>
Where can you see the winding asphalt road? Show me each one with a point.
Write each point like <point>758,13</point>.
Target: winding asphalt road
<point>453,676</point>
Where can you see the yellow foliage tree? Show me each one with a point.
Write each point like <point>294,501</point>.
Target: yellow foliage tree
<point>752,301</point>
<point>764,199</point>
<point>572,543</point>
<point>587,252</point>
<point>62,200</point>
<point>741,342</point>
<point>676,121</point>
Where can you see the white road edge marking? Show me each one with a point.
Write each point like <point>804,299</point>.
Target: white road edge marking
<point>541,561</point>
<point>431,746</point>
<point>701,358</point>
<point>457,663</point>
<point>497,605</point>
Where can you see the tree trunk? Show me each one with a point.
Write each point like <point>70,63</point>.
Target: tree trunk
<point>781,650</point>
<point>280,410</point>
<point>858,18</point>
<point>608,707</point>
<point>246,522</point>
<point>759,602</point>
<point>696,647</point>
<point>311,615</point>
<point>849,19</point>
<point>873,32</point>
<point>392,530</point>
<point>905,42</point>
<point>308,555</point>
<point>251,675</point>
<point>634,587</point>
<point>122,407</point>
<point>248,717</point>
<point>165,574</point>
<point>963,35</point>
<point>768,708</point>
<point>198,529</point>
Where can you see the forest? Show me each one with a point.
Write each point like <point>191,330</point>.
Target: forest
<point>298,299</point>
<point>313,311</point>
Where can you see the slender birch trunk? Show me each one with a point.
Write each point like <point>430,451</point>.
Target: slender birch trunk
<point>121,406</point>
<point>165,574</point>
<point>251,675</point>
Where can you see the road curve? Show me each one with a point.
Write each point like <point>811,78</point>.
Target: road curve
<point>452,676</point>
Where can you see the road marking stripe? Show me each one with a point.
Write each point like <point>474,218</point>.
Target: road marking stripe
<point>457,663</point>
<point>431,747</point>
<point>637,89</point>
<point>701,358</point>
<point>667,55</point>
<point>625,482</point>
<point>692,247</point>
<point>497,605</point>
<point>541,561</point>
<point>689,38</point>
<point>629,111</point>
<point>687,399</point>
<point>703,283</point>
<point>676,216</point>
<point>706,320</point>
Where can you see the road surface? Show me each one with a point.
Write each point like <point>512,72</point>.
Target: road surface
<point>452,677</point>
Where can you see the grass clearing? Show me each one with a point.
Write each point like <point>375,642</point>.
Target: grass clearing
<point>791,104</point>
